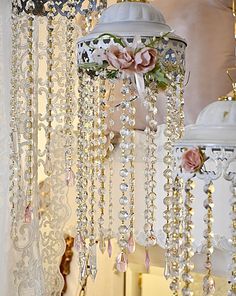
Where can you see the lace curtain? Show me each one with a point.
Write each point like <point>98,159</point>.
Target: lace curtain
<point>4,144</point>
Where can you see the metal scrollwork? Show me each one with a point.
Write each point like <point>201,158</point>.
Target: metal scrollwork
<point>61,7</point>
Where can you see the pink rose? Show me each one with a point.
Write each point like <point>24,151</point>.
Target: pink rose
<point>121,58</point>
<point>192,160</point>
<point>145,60</point>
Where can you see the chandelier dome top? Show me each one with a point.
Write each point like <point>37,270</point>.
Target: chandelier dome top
<point>216,124</point>
<point>132,19</point>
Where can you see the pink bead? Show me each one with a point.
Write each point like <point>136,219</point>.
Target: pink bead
<point>122,262</point>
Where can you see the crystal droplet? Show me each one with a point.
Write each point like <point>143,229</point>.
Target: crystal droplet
<point>167,270</point>
<point>102,245</point>
<point>131,244</point>
<point>208,286</point>
<point>70,178</point>
<point>78,242</point>
<point>28,214</point>
<point>83,269</point>
<point>109,248</point>
<point>93,261</point>
<point>147,260</point>
<point>122,262</point>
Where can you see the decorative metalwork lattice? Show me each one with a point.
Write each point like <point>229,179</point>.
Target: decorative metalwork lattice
<point>61,7</point>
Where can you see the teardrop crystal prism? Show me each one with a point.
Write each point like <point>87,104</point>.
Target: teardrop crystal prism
<point>167,270</point>
<point>147,260</point>
<point>131,244</point>
<point>109,248</point>
<point>102,244</point>
<point>122,262</point>
<point>93,261</point>
<point>70,178</point>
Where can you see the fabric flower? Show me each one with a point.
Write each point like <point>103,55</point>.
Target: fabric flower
<point>99,56</point>
<point>192,160</point>
<point>121,58</point>
<point>145,60</point>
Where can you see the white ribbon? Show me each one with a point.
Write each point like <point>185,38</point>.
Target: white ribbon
<point>139,80</point>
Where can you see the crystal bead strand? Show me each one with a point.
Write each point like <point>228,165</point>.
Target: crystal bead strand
<point>176,233</point>
<point>102,139</point>
<point>232,281</point>
<point>70,82</point>
<point>111,135</point>
<point>110,207</point>
<point>29,111</point>
<point>126,158</point>
<point>180,90</point>
<point>150,173</point>
<point>168,160</point>
<point>81,179</point>
<point>188,239</point>
<point>49,118</point>
<point>15,176</point>
<point>131,239</point>
<point>92,144</point>
<point>208,281</point>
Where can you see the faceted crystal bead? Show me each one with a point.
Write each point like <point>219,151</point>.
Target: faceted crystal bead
<point>123,243</point>
<point>124,132</point>
<point>124,118</point>
<point>123,215</point>
<point>131,244</point>
<point>122,262</point>
<point>174,286</point>
<point>124,187</point>
<point>124,173</point>
<point>124,200</point>
<point>123,229</point>
<point>208,286</point>
<point>187,278</point>
<point>207,204</point>
<point>187,292</point>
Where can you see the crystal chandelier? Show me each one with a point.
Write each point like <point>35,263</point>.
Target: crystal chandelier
<point>133,55</point>
<point>208,153</point>
<point>62,129</point>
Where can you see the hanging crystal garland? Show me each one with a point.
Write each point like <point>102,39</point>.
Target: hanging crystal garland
<point>43,97</point>
<point>106,52</point>
<point>208,281</point>
<point>150,172</point>
<point>188,251</point>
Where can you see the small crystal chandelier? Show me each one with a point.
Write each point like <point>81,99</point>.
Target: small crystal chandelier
<point>131,54</point>
<point>208,153</point>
